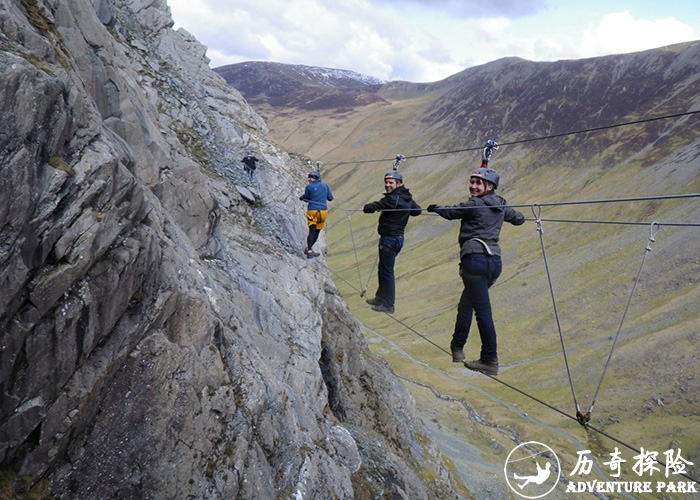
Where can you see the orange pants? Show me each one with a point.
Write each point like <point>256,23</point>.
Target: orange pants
<point>317,218</point>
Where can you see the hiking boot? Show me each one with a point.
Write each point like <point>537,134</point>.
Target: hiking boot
<point>310,254</point>
<point>373,302</point>
<point>383,308</point>
<point>457,355</point>
<point>487,367</point>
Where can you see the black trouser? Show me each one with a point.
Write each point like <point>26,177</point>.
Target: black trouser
<point>313,236</point>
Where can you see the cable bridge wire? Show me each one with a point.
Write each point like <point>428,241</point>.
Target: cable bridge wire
<point>654,227</point>
<point>537,212</point>
<point>348,215</point>
<point>524,141</point>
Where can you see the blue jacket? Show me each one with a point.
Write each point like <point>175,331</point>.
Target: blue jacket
<point>316,194</point>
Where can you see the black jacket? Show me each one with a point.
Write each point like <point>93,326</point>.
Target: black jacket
<point>396,208</point>
<point>250,161</point>
<point>482,218</point>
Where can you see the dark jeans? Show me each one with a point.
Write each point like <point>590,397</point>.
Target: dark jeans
<point>478,272</point>
<point>389,248</point>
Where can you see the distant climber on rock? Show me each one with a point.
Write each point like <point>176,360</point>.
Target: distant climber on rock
<point>316,195</point>
<point>249,165</point>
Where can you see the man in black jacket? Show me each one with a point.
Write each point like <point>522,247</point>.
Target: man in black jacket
<point>249,162</point>
<point>396,206</point>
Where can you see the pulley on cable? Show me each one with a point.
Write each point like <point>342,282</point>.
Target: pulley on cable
<point>398,160</point>
<point>490,147</point>
<point>318,165</point>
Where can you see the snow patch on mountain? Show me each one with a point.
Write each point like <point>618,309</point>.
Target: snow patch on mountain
<point>335,77</point>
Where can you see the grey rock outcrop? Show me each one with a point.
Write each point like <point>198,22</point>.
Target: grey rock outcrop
<point>161,337</point>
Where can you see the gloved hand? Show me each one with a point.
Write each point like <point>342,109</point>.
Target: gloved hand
<point>301,197</point>
<point>431,208</point>
<point>368,209</point>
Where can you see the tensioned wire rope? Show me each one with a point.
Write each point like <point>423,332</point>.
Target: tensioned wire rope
<point>679,196</point>
<point>524,141</point>
<point>364,285</point>
<point>348,215</point>
<point>584,420</point>
<point>349,211</point>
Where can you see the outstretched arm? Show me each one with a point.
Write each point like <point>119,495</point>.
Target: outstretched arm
<point>452,212</point>
<point>415,209</point>
<point>514,217</point>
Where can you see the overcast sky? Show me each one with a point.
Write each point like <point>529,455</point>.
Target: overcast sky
<point>428,40</point>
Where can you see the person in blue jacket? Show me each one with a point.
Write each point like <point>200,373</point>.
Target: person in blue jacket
<point>396,206</point>
<point>316,195</point>
<point>482,216</point>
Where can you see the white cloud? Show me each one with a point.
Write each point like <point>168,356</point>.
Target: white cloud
<point>418,40</point>
<point>494,28</point>
<point>615,33</point>
<point>470,9</point>
<point>621,33</point>
<point>552,49</point>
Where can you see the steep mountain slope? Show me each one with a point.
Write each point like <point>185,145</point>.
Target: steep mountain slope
<point>161,337</point>
<point>650,393</point>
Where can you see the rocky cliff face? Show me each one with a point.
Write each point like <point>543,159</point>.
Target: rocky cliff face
<point>161,337</point>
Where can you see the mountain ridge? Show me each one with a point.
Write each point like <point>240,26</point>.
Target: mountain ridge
<point>297,85</point>
<point>495,100</point>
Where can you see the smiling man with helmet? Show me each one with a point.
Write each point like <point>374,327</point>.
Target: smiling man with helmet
<point>396,206</point>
